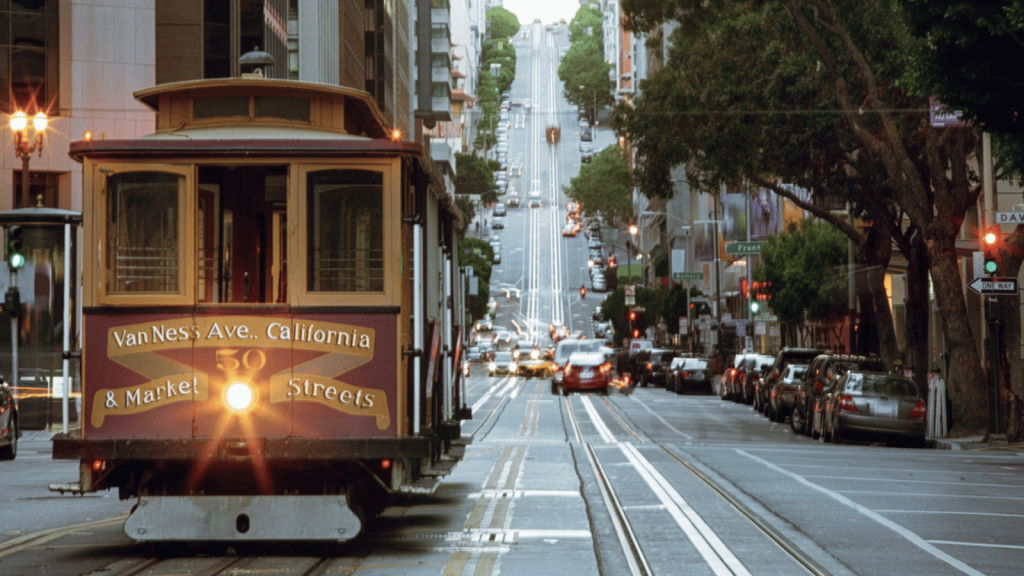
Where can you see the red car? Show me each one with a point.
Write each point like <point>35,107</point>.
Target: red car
<point>587,371</point>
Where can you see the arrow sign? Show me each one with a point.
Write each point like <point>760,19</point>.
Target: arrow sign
<point>995,286</point>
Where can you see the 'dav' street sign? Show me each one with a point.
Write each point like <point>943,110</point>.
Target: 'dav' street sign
<point>995,286</point>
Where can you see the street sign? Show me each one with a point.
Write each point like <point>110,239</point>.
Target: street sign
<point>742,248</point>
<point>630,290</point>
<point>1009,217</point>
<point>995,286</point>
<point>639,309</point>
<point>775,331</point>
<point>726,317</point>
<point>765,317</point>
<point>682,276</point>
<point>684,325</point>
<point>704,299</point>
<point>759,329</point>
<point>630,300</point>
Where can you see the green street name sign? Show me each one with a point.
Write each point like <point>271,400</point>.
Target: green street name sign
<point>742,248</point>
<point>688,276</point>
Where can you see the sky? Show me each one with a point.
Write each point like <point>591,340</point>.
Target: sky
<point>547,10</point>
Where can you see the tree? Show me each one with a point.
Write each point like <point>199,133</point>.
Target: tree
<point>584,75</point>
<point>967,65</point>
<point>473,176</point>
<point>487,95</point>
<point>602,187</point>
<point>806,271</point>
<point>586,17</point>
<point>860,125</point>
<point>478,254</point>
<point>504,24</point>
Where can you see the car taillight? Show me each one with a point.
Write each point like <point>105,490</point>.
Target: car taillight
<point>684,374</point>
<point>846,403</point>
<point>919,411</point>
<point>648,365</point>
<point>605,368</point>
<point>732,372</point>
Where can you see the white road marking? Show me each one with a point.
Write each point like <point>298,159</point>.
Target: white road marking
<point>912,537</point>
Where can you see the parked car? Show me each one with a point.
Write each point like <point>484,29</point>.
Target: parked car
<point>603,330</point>
<point>728,388</point>
<point>689,374</point>
<point>750,376</point>
<point>784,358</point>
<point>825,368</point>
<point>9,422</point>
<point>652,366</point>
<point>783,392</point>
<point>864,404</point>
<point>587,371</point>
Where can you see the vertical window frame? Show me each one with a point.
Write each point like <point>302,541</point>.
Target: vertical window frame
<point>299,249</point>
<point>185,295</point>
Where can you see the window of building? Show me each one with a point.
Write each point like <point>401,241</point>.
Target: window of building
<point>346,231</point>
<point>40,184</point>
<point>29,55</point>
<point>216,39</point>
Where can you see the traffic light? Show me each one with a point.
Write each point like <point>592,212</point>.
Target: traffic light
<point>583,292</point>
<point>12,301</point>
<point>744,287</point>
<point>15,246</point>
<point>611,261</point>
<point>990,242</point>
<point>632,316</point>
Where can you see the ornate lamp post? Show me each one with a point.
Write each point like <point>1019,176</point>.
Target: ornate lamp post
<point>25,145</point>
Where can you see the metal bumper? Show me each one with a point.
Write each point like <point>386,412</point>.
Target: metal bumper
<point>233,448</point>
<point>246,518</point>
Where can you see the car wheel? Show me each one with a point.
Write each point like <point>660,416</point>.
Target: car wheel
<point>836,436</point>
<point>779,416</point>
<point>796,422</point>
<point>756,403</point>
<point>10,452</point>
<point>565,391</point>
<point>554,388</point>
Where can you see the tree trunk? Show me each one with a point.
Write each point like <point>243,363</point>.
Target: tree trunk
<point>918,309</point>
<point>877,254</point>
<point>1011,398</point>
<point>967,383</point>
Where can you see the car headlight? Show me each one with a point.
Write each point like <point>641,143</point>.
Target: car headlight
<point>240,396</point>
<point>492,366</point>
<point>512,367</point>
<point>535,354</point>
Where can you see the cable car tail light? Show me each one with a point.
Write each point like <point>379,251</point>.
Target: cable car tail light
<point>240,396</point>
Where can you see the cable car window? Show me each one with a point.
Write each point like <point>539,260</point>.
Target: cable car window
<point>346,231</point>
<point>220,106</point>
<point>143,241</point>
<point>282,107</point>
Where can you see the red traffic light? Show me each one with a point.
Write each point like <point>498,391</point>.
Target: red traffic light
<point>583,291</point>
<point>632,316</point>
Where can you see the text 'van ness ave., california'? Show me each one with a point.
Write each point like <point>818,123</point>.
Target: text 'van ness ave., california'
<point>221,330</point>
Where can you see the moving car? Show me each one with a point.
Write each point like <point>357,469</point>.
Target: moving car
<point>587,371</point>
<point>484,325</point>
<point>569,230</point>
<point>563,351</point>
<point>499,209</point>
<point>534,200</point>
<point>513,199</point>
<point>874,405</point>
<point>498,222</point>
<point>503,363</point>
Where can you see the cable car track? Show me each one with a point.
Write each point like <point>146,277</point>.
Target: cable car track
<point>714,551</point>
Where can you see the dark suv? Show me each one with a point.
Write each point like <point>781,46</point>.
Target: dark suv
<point>823,369</point>
<point>784,358</point>
<point>652,366</point>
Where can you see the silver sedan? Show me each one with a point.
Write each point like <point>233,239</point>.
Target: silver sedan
<point>873,404</point>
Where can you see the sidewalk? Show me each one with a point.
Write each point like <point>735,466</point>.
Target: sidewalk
<point>971,443</point>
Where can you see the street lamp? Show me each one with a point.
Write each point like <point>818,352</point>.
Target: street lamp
<point>633,229</point>
<point>24,145</point>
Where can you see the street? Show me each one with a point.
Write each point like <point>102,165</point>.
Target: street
<point>648,482</point>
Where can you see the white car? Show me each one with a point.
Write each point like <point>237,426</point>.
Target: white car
<point>534,200</point>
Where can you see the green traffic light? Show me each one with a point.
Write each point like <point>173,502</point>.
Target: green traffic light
<point>755,306</point>
<point>991,267</point>
<point>17,261</point>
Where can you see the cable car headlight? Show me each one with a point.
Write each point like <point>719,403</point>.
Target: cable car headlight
<point>240,396</point>
<point>535,354</point>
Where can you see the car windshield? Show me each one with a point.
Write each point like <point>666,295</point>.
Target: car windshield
<point>503,357</point>
<point>879,384</point>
